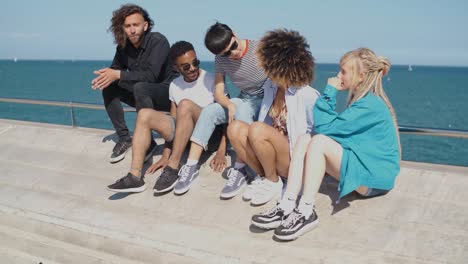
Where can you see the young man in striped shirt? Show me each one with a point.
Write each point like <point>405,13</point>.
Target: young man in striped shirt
<point>236,59</point>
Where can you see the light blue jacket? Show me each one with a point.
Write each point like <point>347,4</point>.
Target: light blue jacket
<point>299,103</point>
<point>367,134</point>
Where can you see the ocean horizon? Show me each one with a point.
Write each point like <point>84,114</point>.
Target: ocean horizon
<point>16,59</point>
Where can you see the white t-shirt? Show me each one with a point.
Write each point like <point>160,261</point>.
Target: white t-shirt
<point>199,91</point>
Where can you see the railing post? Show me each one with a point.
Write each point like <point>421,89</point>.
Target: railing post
<point>72,114</point>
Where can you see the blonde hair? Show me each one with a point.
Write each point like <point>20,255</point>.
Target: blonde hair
<point>365,61</point>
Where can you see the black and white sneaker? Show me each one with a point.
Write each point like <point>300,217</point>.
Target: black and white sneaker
<point>295,225</point>
<point>118,153</point>
<point>167,180</point>
<point>150,151</point>
<point>269,219</point>
<point>128,184</point>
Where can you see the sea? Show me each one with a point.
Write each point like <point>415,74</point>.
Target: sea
<point>423,96</point>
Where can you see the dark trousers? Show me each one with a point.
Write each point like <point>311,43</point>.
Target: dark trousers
<point>139,95</point>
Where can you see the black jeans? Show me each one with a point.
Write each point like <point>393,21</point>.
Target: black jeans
<point>139,95</point>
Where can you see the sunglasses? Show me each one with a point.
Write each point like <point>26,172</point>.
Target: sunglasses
<point>195,63</point>
<point>233,47</point>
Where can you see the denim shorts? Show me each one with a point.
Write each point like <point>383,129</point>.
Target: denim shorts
<point>247,109</point>
<point>173,124</point>
<point>213,142</point>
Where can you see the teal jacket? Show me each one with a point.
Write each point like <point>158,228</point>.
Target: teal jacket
<point>367,134</point>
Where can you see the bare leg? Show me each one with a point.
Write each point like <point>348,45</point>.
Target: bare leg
<point>271,148</point>
<point>147,119</point>
<point>296,167</point>
<point>195,151</point>
<point>187,115</point>
<point>323,155</point>
<point>237,132</point>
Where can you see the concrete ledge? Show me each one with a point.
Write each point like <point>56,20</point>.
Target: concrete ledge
<point>54,208</point>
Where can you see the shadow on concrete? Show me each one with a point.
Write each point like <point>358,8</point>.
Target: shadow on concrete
<point>162,193</point>
<point>118,196</point>
<point>330,187</point>
<point>281,241</point>
<point>114,137</point>
<point>111,137</point>
<point>257,230</point>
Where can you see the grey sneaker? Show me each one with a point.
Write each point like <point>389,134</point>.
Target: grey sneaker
<point>120,148</point>
<point>187,174</point>
<point>236,180</point>
<point>128,184</point>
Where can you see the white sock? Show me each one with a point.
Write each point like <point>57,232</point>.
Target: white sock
<point>191,162</point>
<point>306,208</point>
<point>239,165</point>
<point>287,204</point>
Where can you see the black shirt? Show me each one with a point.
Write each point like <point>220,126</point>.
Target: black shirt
<point>148,63</point>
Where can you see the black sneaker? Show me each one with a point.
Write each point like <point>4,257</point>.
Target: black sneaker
<point>129,183</point>
<point>150,151</point>
<point>167,180</point>
<point>270,219</point>
<point>295,225</point>
<point>118,153</point>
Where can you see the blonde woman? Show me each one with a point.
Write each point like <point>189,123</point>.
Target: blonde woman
<point>359,147</point>
<point>285,114</point>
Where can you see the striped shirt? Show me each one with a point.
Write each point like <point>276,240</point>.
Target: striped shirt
<point>244,73</point>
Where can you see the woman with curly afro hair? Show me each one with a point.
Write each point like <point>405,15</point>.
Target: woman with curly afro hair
<point>285,114</point>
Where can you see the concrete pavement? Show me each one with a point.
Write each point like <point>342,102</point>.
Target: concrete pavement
<point>54,208</point>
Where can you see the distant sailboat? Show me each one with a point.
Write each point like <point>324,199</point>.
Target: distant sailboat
<point>410,68</point>
<point>15,59</point>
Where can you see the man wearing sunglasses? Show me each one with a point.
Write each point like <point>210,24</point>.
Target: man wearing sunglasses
<point>236,59</point>
<point>189,94</point>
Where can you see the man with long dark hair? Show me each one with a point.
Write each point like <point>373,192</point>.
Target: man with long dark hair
<point>140,73</point>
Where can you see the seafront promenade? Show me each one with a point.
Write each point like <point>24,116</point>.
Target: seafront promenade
<point>54,208</point>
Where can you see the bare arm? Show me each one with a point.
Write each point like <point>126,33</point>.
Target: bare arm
<point>221,98</point>
<point>173,110</point>
<point>218,163</point>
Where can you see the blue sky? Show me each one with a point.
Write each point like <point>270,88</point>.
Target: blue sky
<point>408,32</point>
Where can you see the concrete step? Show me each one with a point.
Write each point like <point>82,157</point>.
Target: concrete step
<point>11,255</point>
<point>30,240</point>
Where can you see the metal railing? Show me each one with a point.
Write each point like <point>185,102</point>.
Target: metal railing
<point>70,105</point>
<point>403,129</point>
<point>433,131</point>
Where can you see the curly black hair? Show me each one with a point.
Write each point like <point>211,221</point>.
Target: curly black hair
<point>118,19</point>
<point>286,58</point>
<point>178,49</point>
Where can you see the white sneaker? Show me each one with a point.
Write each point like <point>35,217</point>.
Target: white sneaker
<point>266,191</point>
<point>252,188</point>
